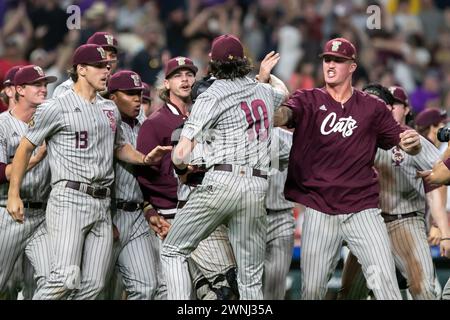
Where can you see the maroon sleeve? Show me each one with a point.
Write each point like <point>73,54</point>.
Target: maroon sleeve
<point>447,163</point>
<point>3,173</point>
<point>429,187</point>
<point>388,129</point>
<point>295,104</point>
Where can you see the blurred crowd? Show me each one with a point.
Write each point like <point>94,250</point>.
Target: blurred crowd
<point>411,48</point>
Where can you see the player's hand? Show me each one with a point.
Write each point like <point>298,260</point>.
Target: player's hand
<point>159,225</point>
<point>445,248</point>
<point>155,156</point>
<point>434,237</point>
<point>14,207</point>
<point>410,141</point>
<point>269,61</point>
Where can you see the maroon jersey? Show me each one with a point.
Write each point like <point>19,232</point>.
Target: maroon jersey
<point>332,156</point>
<point>158,183</point>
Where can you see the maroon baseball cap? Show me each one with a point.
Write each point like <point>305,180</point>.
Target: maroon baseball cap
<point>104,39</point>
<point>431,116</point>
<point>9,77</point>
<point>30,74</point>
<point>339,47</point>
<point>226,47</point>
<point>89,53</point>
<point>125,80</point>
<point>399,94</point>
<point>178,63</point>
<point>146,91</point>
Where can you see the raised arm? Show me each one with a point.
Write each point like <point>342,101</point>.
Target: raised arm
<point>19,167</point>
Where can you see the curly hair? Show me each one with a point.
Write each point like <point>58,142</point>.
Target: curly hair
<point>236,68</point>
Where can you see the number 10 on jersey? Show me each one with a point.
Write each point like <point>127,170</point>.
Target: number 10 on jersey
<point>256,117</point>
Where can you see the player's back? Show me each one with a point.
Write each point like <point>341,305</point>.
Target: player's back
<point>238,115</point>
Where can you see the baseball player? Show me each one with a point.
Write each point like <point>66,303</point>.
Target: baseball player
<point>83,132</point>
<point>403,201</point>
<point>9,91</point>
<point>160,184</point>
<point>280,221</point>
<point>331,173</point>
<point>108,43</point>
<point>234,117</point>
<point>133,253</point>
<point>28,235</point>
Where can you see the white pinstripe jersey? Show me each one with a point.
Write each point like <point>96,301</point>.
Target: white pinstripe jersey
<point>234,118</point>
<point>62,88</point>
<point>281,146</point>
<point>126,185</point>
<point>36,182</point>
<point>81,137</point>
<point>400,190</point>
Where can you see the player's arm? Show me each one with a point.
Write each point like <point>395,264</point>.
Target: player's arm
<point>19,167</point>
<point>128,153</point>
<point>440,174</point>
<point>439,214</point>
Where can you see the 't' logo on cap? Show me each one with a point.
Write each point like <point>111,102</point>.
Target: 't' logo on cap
<point>39,70</point>
<point>136,80</point>
<point>109,39</point>
<point>336,45</point>
<point>181,61</point>
<point>102,52</point>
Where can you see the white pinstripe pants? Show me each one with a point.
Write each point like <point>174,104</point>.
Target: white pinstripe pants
<point>80,236</point>
<point>412,257</point>
<point>29,237</point>
<point>367,237</point>
<point>280,242</point>
<point>223,198</point>
<point>134,255</point>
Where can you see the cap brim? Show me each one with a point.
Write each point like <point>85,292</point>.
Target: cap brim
<point>334,54</point>
<point>47,79</point>
<point>194,69</point>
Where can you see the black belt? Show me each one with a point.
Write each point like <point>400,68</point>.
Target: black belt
<point>393,217</point>
<point>229,168</point>
<point>34,205</point>
<point>128,206</point>
<point>181,204</point>
<point>96,192</point>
